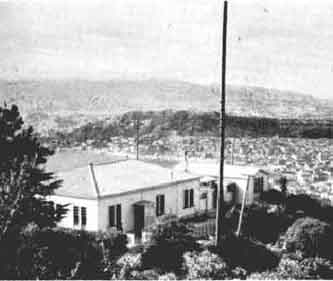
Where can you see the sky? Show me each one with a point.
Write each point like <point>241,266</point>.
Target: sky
<point>275,44</point>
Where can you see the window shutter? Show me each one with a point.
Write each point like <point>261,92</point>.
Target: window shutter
<point>185,199</point>
<point>162,211</point>
<point>83,215</point>
<point>111,216</point>
<point>157,206</point>
<point>191,197</point>
<point>76,215</point>
<point>118,216</point>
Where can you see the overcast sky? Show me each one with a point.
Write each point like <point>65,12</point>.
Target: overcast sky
<point>280,44</point>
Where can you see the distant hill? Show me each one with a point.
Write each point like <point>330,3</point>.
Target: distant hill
<point>66,104</point>
<point>157,125</point>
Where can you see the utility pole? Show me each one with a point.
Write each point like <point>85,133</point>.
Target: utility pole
<point>137,137</point>
<point>232,151</point>
<point>220,195</point>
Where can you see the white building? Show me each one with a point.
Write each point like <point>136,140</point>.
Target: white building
<point>126,194</point>
<point>131,194</point>
<point>237,179</point>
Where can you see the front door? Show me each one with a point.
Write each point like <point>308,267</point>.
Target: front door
<point>139,220</point>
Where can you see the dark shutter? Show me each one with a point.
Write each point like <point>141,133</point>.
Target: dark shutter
<point>157,206</point>
<point>162,211</point>
<point>185,196</point>
<point>191,197</point>
<point>76,215</point>
<point>111,216</point>
<point>119,216</point>
<point>83,216</point>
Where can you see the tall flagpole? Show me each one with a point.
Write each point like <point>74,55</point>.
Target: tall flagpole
<point>220,195</point>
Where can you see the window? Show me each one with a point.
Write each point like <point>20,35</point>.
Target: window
<point>83,216</point>
<point>188,198</point>
<point>160,205</point>
<point>76,215</point>
<point>258,184</point>
<point>115,216</point>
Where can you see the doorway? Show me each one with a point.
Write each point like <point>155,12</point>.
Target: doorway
<point>139,220</point>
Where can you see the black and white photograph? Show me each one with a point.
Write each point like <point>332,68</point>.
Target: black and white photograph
<point>166,139</point>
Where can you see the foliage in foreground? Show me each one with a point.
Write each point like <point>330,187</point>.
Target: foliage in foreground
<point>310,236</point>
<point>24,184</point>
<point>61,254</point>
<point>170,240</point>
<point>205,265</point>
<point>293,268</point>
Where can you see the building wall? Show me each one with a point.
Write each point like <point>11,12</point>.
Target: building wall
<point>92,212</point>
<point>173,203</point>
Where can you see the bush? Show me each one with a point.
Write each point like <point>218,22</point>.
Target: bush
<point>168,276</point>
<point>127,264</point>
<point>257,215</point>
<point>245,253</point>
<point>310,236</point>
<point>273,196</point>
<point>170,239</point>
<point>205,265</point>
<point>62,254</point>
<point>291,268</point>
<point>149,274</point>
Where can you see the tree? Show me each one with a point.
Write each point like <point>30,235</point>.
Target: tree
<point>24,183</point>
<point>311,237</point>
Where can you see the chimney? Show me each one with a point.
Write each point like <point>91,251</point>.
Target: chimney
<point>186,161</point>
<point>92,172</point>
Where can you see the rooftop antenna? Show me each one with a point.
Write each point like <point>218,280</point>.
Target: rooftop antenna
<point>220,195</point>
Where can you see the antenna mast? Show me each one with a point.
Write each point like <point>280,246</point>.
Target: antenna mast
<point>220,195</point>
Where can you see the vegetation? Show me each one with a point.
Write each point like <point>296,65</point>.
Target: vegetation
<point>311,237</point>
<point>158,124</point>
<point>30,246</point>
<point>205,265</point>
<point>51,253</point>
<point>295,241</point>
<point>173,239</point>
<point>295,268</point>
<point>24,184</point>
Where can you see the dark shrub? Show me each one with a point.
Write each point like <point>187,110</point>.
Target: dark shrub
<point>258,215</point>
<point>273,196</point>
<point>245,253</point>
<point>310,236</point>
<point>64,254</point>
<point>170,239</point>
<point>304,203</point>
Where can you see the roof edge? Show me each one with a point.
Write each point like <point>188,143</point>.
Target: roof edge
<point>149,187</point>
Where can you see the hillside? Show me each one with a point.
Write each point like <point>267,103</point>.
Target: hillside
<point>65,104</point>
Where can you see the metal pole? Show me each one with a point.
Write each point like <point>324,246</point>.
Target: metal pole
<point>220,195</point>
<point>137,137</point>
